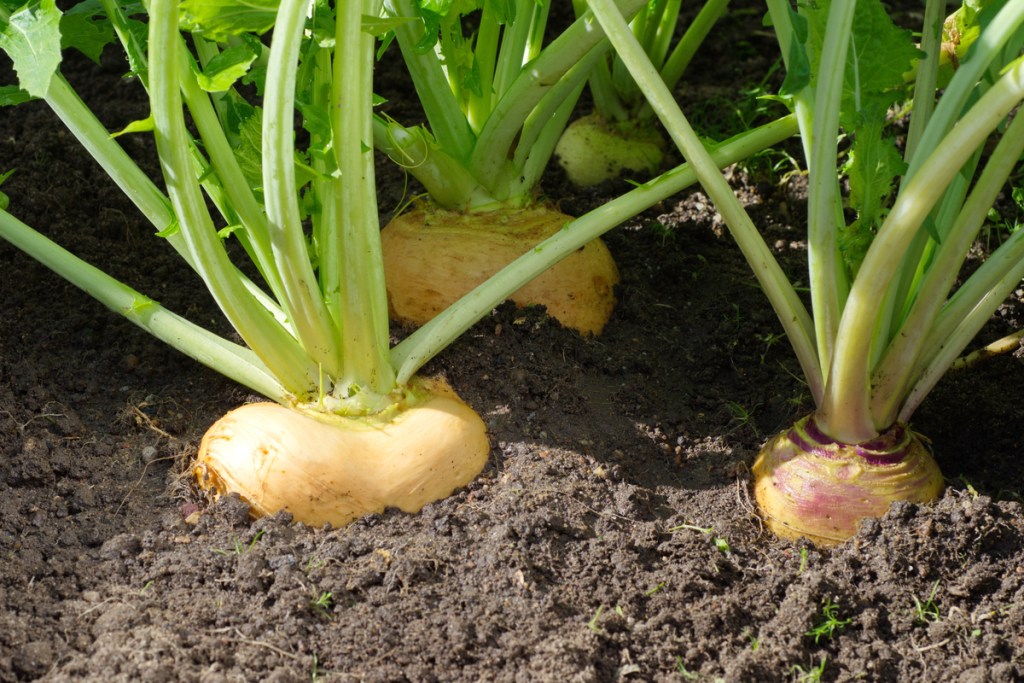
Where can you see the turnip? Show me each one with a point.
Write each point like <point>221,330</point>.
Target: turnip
<point>323,468</point>
<point>885,326</point>
<point>436,256</point>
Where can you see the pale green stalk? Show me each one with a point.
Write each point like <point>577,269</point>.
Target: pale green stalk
<point>546,122</point>
<point>446,179</point>
<point>135,184</point>
<point>845,413</point>
<point>904,356</point>
<point>965,314</point>
<point>682,54</point>
<point>955,97</point>
<point>364,310</point>
<point>276,347</point>
<point>256,231</point>
<point>824,262</point>
<point>499,135</point>
<point>520,42</point>
<point>485,51</point>
<point>301,297</point>
<point>504,138</point>
<point>448,123</point>
<point>927,75</point>
<point>116,163</point>
<point>803,102</point>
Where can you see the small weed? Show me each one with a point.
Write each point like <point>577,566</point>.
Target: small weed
<point>927,612</point>
<point>664,233</point>
<point>769,340</point>
<point>321,603</point>
<point>687,675</point>
<point>812,674</point>
<point>592,624</point>
<point>651,591</point>
<point>741,417</point>
<point>831,624</point>
<point>754,641</point>
<point>998,227</point>
<point>803,561</point>
<point>970,487</point>
<point>240,547</point>
<point>720,543</point>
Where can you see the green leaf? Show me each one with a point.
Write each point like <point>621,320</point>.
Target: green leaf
<point>172,229</point>
<point>227,67</point>
<point>248,150</point>
<point>12,94</point>
<point>226,231</point>
<point>872,166</point>
<point>379,26</point>
<point>798,66</point>
<point>221,19</point>
<point>879,54</point>
<point>86,30</point>
<point>31,37</point>
<point>140,126</point>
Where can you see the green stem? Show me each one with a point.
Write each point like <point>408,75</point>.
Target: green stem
<point>659,33</point>
<point>273,344</point>
<point>447,121</point>
<point>989,45</point>
<point>783,297</point>
<point>905,354</point>
<point>485,52</point>
<point>965,314</point>
<point>365,341</point>
<point>824,262</point>
<point>116,163</point>
<point>779,11</point>
<point>445,178</point>
<point>961,90</point>
<point>518,44</point>
<point>607,101</point>
<point>319,69</point>
<point>120,168</point>
<point>845,414</point>
<point>303,301</point>
<point>232,182</point>
<point>422,345</point>
<point>927,75</point>
<point>544,127</point>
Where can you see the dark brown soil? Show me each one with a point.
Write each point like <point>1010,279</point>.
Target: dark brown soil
<point>611,537</point>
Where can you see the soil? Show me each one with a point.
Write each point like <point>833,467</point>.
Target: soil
<point>612,535</point>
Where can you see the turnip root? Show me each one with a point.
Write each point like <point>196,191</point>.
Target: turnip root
<point>593,149</point>
<point>334,469</point>
<point>433,257</point>
<point>808,485</point>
